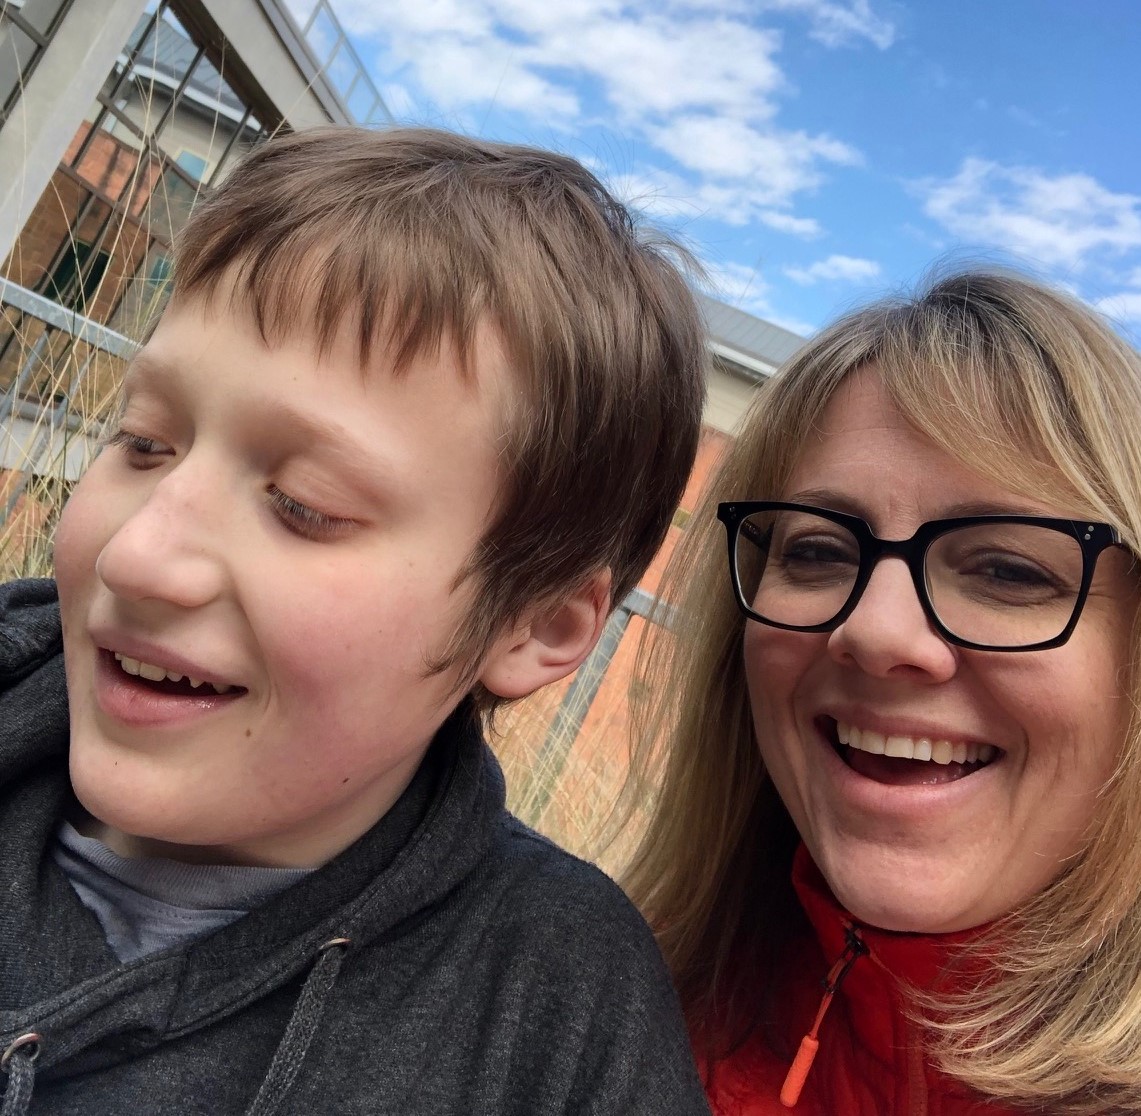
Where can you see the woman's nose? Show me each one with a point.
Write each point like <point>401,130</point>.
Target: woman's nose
<point>889,634</point>
<point>167,548</point>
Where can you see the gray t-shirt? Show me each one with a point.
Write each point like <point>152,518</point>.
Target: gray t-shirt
<point>148,904</point>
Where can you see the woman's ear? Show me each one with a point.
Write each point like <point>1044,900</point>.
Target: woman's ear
<point>550,642</point>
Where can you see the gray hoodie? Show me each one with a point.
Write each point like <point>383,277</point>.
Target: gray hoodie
<point>451,961</point>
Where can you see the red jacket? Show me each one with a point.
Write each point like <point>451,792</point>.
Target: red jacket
<point>869,1061</point>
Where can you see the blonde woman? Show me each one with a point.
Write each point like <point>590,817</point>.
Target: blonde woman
<point>896,859</point>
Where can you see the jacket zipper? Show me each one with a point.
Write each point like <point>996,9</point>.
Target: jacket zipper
<point>793,1086</point>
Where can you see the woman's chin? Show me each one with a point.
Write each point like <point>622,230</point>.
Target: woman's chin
<point>912,899</point>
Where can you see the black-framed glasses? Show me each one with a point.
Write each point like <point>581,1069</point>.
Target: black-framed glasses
<point>986,582</point>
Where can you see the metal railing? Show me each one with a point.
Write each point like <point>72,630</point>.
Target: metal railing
<point>59,369</point>
<point>580,694</point>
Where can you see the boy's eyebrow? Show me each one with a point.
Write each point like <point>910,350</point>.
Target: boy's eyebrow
<point>145,365</point>
<point>364,467</point>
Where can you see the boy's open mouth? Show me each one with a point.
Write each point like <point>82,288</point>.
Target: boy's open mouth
<point>161,680</point>
<point>907,760</point>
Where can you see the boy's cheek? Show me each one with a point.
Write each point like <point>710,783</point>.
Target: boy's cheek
<point>78,539</point>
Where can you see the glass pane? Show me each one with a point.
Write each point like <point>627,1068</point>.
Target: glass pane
<point>1004,584</point>
<point>796,568</point>
<point>301,10</point>
<point>322,35</point>
<point>193,164</point>
<point>341,69</point>
<point>16,51</point>
<point>363,104</point>
<point>40,13</point>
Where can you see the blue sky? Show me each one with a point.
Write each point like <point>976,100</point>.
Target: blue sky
<point>813,153</point>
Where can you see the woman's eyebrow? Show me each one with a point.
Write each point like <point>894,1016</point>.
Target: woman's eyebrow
<point>853,505</point>
<point>831,499</point>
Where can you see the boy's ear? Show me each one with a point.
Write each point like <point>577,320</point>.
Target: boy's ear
<point>549,642</point>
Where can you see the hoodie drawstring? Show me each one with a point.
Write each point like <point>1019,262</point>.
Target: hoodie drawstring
<point>299,1032</point>
<point>19,1063</point>
<point>810,1044</point>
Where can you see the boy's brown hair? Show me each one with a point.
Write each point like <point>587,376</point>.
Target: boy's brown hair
<point>414,238</point>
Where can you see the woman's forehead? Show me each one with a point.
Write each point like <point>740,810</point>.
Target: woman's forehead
<point>864,452</point>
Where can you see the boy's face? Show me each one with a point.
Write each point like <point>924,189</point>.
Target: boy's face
<point>285,529</point>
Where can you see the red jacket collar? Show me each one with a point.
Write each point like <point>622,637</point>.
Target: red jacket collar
<point>921,960</point>
<point>873,988</point>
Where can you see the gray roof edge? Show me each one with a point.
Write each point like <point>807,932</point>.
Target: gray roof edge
<point>739,337</point>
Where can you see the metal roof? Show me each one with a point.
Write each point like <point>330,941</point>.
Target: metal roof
<point>755,346</point>
<point>169,53</point>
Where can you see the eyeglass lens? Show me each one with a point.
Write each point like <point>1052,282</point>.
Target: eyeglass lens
<point>1000,584</point>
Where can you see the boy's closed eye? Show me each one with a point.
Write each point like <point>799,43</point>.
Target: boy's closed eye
<point>306,521</point>
<point>139,447</point>
<point>297,517</point>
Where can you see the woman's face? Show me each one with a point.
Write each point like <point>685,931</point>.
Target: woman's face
<point>909,844</point>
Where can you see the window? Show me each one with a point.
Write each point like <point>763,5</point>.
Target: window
<point>75,280</point>
<point>193,164</point>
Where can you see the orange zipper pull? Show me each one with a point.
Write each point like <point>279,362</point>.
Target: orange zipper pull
<point>798,1072</point>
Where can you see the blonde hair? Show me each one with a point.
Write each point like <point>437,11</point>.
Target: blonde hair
<point>1031,389</point>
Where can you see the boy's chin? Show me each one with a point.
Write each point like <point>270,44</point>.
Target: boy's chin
<point>117,810</point>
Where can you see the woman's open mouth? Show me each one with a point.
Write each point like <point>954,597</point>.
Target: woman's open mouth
<point>907,760</point>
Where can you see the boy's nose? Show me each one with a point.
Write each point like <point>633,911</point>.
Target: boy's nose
<point>166,548</point>
<point>888,634</point>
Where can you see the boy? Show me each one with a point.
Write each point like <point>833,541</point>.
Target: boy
<point>418,413</point>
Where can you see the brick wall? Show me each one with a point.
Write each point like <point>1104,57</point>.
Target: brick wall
<point>113,169</point>
<point>23,550</point>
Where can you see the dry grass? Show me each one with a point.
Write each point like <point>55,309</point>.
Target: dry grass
<point>573,787</point>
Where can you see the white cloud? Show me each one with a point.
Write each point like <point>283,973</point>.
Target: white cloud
<point>1123,307</point>
<point>399,100</point>
<point>649,65</point>
<point>1060,219</point>
<point>787,223</point>
<point>745,288</point>
<point>697,82</point>
<point>673,198</point>
<point>656,193</point>
<point>779,164</point>
<point>837,25</point>
<point>847,269</point>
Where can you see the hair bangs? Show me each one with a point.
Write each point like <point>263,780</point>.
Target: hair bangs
<point>991,391</point>
<point>400,289</point>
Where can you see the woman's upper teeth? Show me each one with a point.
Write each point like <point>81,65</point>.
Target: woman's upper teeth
<point>916,748</point>
<point>154,673</point>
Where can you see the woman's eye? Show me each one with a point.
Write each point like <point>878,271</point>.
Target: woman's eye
<point>306,521</point>
<point>1015,572</point>
<point>817,552</point>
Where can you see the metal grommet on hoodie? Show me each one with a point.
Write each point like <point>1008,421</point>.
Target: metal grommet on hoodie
<point>29,1039</point>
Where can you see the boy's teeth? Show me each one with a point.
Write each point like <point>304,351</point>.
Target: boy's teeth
<point>153,673</point>
<point>917,748</point>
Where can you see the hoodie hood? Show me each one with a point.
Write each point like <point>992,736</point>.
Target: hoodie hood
<point>67,985</point>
